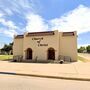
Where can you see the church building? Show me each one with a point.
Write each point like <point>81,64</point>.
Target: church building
<point>47,45</point>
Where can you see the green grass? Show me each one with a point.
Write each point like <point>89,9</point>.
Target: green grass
<point>6,57</point>
<point>83,59</point>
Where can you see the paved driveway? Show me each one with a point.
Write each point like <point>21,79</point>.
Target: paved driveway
<point>85,55</point>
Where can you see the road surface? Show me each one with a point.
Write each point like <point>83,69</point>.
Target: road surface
<point>10,82</point>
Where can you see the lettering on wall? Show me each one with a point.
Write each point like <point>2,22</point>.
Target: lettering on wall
<point>37,38</point>
<point>39,41</point>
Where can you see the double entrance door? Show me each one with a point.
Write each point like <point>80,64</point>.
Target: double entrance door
<point>51,54</point>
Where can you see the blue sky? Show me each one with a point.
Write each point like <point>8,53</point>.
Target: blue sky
<point>19,16</point>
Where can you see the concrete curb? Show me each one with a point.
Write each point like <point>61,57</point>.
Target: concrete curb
<point>46,76</point>
<point>11,73</point>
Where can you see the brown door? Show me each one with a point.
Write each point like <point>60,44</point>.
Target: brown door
<point>51,54</point>
<point>29,53</point>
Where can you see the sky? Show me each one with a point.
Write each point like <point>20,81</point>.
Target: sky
<point>20,16</point>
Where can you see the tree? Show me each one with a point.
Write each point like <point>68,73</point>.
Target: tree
<point>88,48</point>
<point>7,48</point>
<point>81,49</point>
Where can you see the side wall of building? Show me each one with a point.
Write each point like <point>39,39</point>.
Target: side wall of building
<point>68,46</point>
<point>18,46</point>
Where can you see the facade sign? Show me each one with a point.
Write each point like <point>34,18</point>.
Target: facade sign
<point>39,41</point>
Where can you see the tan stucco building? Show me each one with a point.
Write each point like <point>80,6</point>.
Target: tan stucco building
<point>49,45</point>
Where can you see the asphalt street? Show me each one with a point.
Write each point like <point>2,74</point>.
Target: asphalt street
<point>12,82</point>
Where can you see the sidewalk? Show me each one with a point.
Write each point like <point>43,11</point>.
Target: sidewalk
<point>73,71</point>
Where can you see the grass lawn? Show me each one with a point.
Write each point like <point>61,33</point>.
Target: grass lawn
<point>83,59</point>
<point>6,57</point>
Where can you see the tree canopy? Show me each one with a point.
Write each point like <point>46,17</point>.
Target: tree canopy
<point>7,48</point>
<point>88,48</point>
<point>83,49</point>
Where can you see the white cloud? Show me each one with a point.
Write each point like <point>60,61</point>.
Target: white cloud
<point>9,28</point>
<point>8,11</point>
<point>76,20</point>
<point>8,32</point>
<point>10,8</point>
<point>1,15</point>
<point>7,23</point>
<point>85,45</point>
<point>21,6</point>
<point>35,23</point>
